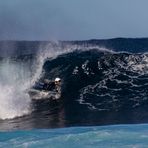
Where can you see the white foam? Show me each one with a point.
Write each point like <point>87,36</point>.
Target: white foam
<point>14,101</point>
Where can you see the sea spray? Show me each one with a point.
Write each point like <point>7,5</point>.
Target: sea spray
<point>14,81</point>
<point>14,103</point>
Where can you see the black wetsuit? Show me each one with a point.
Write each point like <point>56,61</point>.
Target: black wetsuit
<point>49,86</point>
<point>45,86</point>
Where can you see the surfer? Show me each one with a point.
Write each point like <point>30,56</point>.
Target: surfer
<point>52,85</point>
<point>46,89</point>
<point>48,85</point>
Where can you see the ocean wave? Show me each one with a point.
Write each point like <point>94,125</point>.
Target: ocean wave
<point>95,80</point>
<point>102,80</point>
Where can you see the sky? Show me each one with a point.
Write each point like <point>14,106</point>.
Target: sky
<point>72,19</point>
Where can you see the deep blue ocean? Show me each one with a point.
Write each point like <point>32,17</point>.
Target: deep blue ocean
<point>104,95</point>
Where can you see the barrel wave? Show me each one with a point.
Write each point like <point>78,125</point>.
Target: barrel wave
<point>102,80</point>
<point>100,85</point>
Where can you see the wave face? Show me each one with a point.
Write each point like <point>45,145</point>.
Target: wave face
<point>102,81</point>
<point>99,86</point>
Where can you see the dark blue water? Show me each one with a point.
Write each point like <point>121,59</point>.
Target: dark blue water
<point>104,82</point>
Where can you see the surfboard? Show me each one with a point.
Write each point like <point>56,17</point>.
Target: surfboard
<point>42,94</point>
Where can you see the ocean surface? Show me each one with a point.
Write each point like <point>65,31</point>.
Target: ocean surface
<point>123,136</point>
<point>104,100</point>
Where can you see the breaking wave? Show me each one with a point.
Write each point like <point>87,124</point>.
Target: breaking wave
<point>95,81</point>
<point>18,74</point>
<point>102,80</point>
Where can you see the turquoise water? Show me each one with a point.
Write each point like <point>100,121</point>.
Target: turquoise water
<point>116,136</point>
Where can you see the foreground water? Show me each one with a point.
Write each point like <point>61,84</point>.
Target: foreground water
<point>121,136</point>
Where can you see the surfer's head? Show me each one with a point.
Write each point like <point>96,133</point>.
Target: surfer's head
<point>57,80</point>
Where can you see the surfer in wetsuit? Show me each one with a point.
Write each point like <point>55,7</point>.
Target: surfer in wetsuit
<point>52,85</point>
<point>46,89</point>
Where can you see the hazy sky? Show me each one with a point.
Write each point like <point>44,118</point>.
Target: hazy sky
<point>72,19</point>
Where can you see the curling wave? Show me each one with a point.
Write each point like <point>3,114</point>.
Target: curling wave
<point>98,82</point>
<point>102,80</point>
